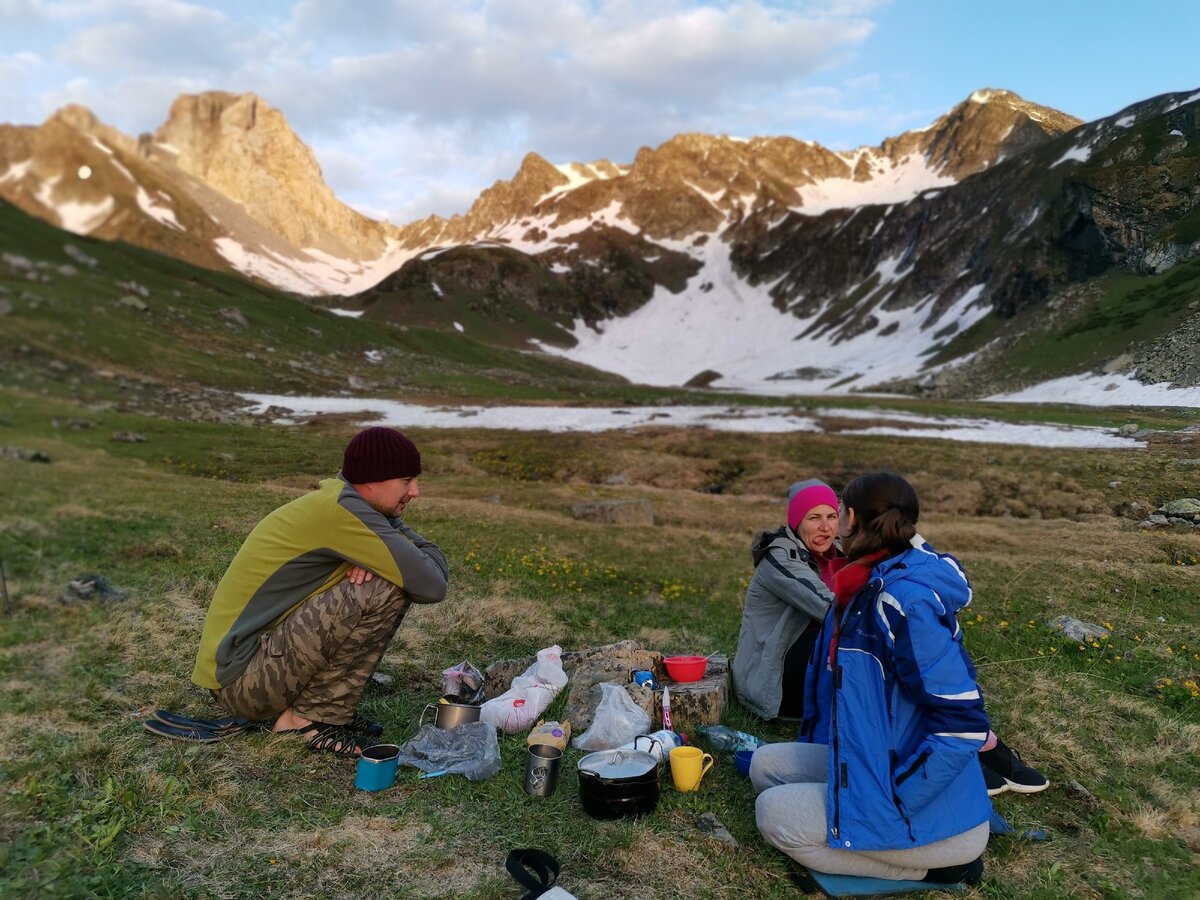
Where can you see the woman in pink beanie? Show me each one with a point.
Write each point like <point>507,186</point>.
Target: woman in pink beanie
<point>786,602</point>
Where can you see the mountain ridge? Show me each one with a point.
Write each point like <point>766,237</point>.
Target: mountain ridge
<point>902,251</point>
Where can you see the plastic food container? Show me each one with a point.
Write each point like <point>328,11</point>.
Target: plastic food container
<point>686,668</point>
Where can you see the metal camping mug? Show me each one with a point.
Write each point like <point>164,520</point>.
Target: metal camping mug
<point>542,763</point>
<point>377,767</point>
<point>450,715</point>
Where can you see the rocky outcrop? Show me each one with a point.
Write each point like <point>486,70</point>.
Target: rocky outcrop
<point>243,148</point>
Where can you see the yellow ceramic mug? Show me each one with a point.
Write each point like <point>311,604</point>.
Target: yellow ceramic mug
<point>688,765</point>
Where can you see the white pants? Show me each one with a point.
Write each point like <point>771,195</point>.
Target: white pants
<point>791,783</point>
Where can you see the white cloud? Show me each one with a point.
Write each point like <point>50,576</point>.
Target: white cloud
<point>405,101</point>
<point>158,36</point>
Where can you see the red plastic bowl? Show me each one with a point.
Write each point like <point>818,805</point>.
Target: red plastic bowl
<point>686,668</point>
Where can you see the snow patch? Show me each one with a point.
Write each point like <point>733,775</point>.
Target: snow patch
<point>458,327</point>
<point>736,330</point>
<point>78,217</point>
<point>124,171</point>
<point>771,419</point>
<point>1075,154</point>
<point>16,171</point>
<point>163,214</point>
<point>902,183</point>
<point>1103,390</point>
<point>318,272</point>
<point>348,313</point>
<point>1125,121</point>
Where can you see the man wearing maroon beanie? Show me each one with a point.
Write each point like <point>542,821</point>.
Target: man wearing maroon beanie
<point>311,601</point>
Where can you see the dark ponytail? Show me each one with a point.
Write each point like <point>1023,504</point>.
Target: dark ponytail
<point>886,510</point>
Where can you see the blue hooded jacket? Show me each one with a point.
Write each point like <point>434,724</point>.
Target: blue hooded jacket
<point>900,709</point>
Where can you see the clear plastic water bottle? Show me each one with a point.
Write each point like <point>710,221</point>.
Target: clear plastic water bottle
<point>721,737</point>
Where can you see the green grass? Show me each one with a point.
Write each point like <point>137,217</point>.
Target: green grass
<point>1130,310</point>
<point>94,806</point>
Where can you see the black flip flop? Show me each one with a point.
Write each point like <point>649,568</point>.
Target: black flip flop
<point>224,726</point>
<point>183,733</point>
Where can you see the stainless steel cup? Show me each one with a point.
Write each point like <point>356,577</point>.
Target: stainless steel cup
<point>542,763</point>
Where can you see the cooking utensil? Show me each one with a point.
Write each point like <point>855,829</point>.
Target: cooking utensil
<point>618,783</point>
<point>450,715</point>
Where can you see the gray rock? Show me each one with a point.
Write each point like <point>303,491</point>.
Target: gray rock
<point>16,262</point>
<point>135,288</point>
<point>234,315</point>
<point>1187,462</point>
<point>6,308</point>
<point>79,256</point>
<point>24,455</point>
<point>134,303</point>
<point>1077,630</point>
<point>1187,506</point>
<point>710,824</point>
<point>1114,484</point>
<point>1127,430</point>
<point>615,512</point>
<point>129,437</point>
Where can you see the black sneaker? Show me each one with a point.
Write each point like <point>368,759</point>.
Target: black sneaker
<point>994,780</point>
<point>1007,764</point>
<point>969,873</point>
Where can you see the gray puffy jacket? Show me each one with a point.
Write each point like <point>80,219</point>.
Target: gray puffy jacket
<point>784,597</point>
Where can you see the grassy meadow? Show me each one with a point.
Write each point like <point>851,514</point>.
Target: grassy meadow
<point>95,806</point>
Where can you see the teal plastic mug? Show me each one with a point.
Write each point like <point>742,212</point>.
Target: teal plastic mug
<point>377,767</point>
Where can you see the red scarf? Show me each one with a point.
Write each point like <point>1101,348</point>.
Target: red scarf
<point>829,565</point>
<point>851,579</point>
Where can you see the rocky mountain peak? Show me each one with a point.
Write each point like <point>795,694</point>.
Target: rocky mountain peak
<point>990,125</point>
<point>243,148</point>
<point>76,116</point>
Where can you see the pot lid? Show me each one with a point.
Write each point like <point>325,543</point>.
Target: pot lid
<point>618,763</point>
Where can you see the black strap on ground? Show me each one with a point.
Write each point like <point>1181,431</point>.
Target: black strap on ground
<point>533,869</point>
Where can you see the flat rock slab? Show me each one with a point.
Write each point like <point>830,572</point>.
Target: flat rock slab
<point>615,512</point>
<point>692,703</point>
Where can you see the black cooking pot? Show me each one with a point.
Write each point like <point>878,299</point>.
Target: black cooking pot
<point>618,783</point>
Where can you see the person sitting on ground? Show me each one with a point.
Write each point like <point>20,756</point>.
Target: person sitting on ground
<point>884,782</point>
<point>786,603</point>
<point>298,624</point>
<point>790,592</point>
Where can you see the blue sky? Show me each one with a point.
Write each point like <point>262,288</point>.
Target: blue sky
<point>413,106</point>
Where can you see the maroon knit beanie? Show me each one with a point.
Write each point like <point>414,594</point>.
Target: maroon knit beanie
<point>380,454</point>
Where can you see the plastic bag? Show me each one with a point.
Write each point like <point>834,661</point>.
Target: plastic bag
<point>462,683</point>
<point>470,749</point>
<point>531,692</point>
<point>618,721</point>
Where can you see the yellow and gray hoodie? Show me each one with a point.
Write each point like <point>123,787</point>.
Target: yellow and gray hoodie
<point>298,551</point>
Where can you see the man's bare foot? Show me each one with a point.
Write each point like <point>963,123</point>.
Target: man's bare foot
<point>289,721</point>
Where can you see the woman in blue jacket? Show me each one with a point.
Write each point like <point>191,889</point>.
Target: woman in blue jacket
<point>885,782</point>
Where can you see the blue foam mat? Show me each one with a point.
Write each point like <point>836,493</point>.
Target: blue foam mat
<point>861,886</point>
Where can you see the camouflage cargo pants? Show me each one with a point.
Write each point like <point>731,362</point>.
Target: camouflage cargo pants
<point>317,661</point>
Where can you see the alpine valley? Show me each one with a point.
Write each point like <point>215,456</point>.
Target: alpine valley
<point>1004,246</point>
